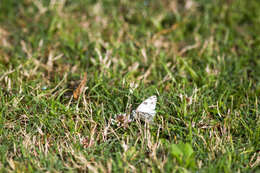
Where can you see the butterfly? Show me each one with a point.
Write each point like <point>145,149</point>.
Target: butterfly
<point>145,111</point>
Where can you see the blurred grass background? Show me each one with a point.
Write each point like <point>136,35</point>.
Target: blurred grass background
<point>201,58</point>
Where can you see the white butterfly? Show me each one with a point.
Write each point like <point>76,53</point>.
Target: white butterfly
<point>145,111</point>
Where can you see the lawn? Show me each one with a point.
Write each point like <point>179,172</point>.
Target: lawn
<point>68,67</point>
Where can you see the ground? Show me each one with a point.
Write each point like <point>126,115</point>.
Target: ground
<point>67,67</point>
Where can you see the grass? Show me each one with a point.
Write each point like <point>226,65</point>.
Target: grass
<point>201,59</point>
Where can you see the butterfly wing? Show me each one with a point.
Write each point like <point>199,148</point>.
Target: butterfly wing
<point>146,109</point>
